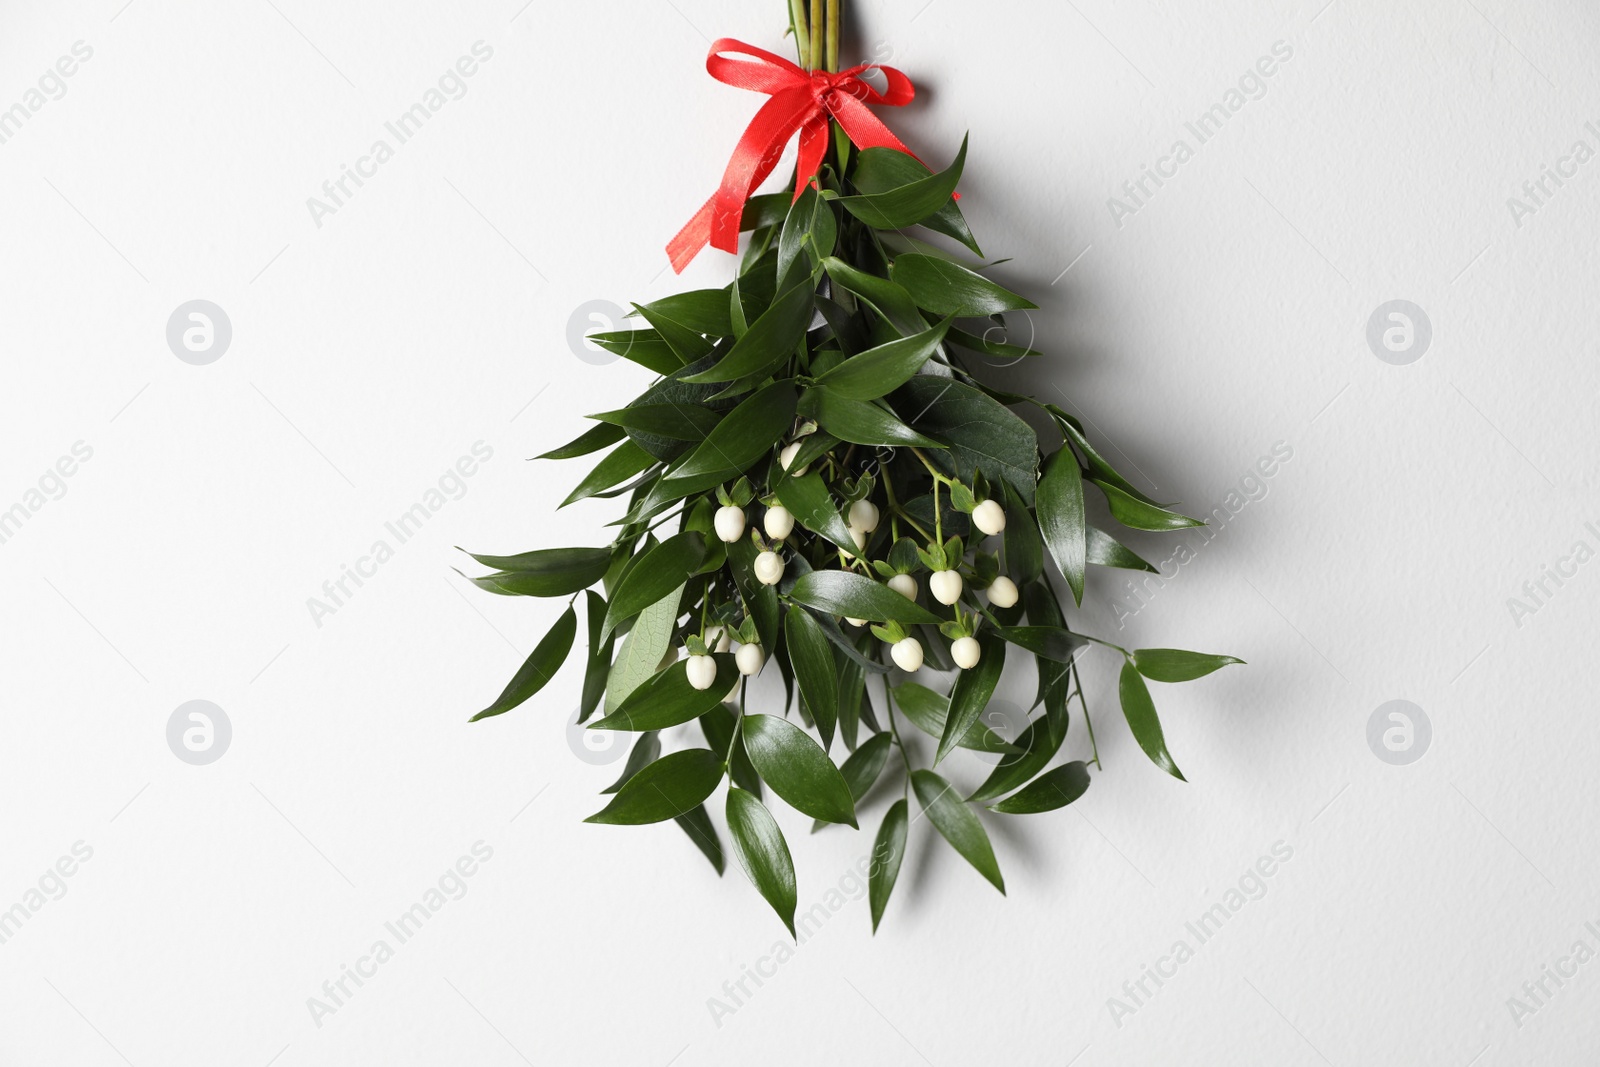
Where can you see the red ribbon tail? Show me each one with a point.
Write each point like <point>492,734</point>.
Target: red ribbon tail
<point>682,249</point>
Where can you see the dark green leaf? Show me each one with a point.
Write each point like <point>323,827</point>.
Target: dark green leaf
<point>1176,665</point>
<point>697,824</point>
<point>988,346</point>
<point>668,699</point>
<point>858,597</point>
<point>687,344</point>
<point>1061,518</point>
<point>810,227</point>
<point>591,440</point>
<point>701,310</point>
<point>1024,546</point>
<point>545,571</point>
<point>1135,513</point>
<point>947,288</point>
<point>887,853</point>
<point>763,853</point>
<point>1107,551</point>
<point>880,371</point>
<point>957,824</point>
<point>859,421</point>
<point>1047,642</point>
<point>814,508</point>
<point>718,725</point>
<point>1036,745</point>
<point>908,204</point>
<point>929,711</point>
<point>983,434</point>
<point>812,658</point>
<point>647,348</point>
<point>678,422</point>
<point>540,666</point>
<point>971,692</point>
<point>644,752</point>
<point>878,170</point>
<point>769,341</point>
<point>741,438</point>
<point>888,299</point>
<point>665,789</point>
<point>598,662</point>
<point>1140,712</point>
<point>797,769</point>
<point>1053,790</point>
<point>620,464</point>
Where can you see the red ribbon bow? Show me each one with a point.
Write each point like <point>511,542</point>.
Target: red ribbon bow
<point>801,101</point>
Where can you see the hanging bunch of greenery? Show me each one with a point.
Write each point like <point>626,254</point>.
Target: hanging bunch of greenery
<point>818,487</point>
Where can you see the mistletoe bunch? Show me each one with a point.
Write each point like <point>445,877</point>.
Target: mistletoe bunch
<point>818,487</point>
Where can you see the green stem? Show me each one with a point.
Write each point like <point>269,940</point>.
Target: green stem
<point>833,34</point>
<point>817,32</point>
<point>894,731</point>
<point>1077,683</point>
<point>797,23</point>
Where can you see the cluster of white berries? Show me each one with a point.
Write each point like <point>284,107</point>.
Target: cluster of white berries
<point>946,585</point>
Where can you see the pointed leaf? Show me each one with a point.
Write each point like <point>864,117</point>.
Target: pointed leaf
<point>697,824</point>
<point>880,371</point>
<point>1056,789</point>
<point>908,204</point>
<point>591,440</point>
<point>743,436</point>
<point>1176,665</point>
<point>1138,515</point>
<point>928,712</point>
<point>887,853</point>
<point>645,751</point>
<point>668,699</point>
<point>620,464</point>
<point>665,789</point>
<point>858,421</point>
<point>761,850</point>
<point>643,649</point>
<point>858,597</point>
<point>657,572</point>
<point>814,508</point>
<point>544,572</point>
<point>947,288</point>
<point>797,769</point>
<point>971,693</point>
<point>1059,502</point>
<point>812,658</point>
<point>769,341</point>
<point>983,434</point>
<point>1107,551</point>
<point>540,666</point>
<point>957,824</point>
<point>1140,712</point>
<point>863,768</point>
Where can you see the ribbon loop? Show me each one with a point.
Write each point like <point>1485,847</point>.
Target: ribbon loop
<point>801,102</point>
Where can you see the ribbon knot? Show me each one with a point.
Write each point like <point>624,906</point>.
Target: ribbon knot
<point>802,102</point>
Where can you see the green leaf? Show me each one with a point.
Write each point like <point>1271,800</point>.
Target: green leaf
<point>856,596</point>
<point>971,692</point>
<point>1097,463</point>
<point>667,565</point>
<point>983,434</point>
<point>797,769</point>
<point>1047,642</point>
<point>908,204</point>
<point>929,711</point>
<point>769,341</point>
<point>887,853</point>
<point>591,440</point>
<point>620,464</point>
<point>687,344</point>
<point>947,288</point>
<point>886,298</point>
<point>1140,712</point>
<point>1176,665</point>
<point>863,767</point>
<point>743,436</point>
<point>1036,745</point>
<point>668,699</point>
<point>880,371</point>
<point>647,348</point>
<point>762,852</point>
<point>598,662</point>
<point>1107,551</point>
<point>858,421</point>
<point>667,788</point>
<point>1056,789</point>
<point>644,752</point>
<point>810,227</point>
<point>545,571</point>
<point>814,508</point>
<point>1061,518</point>
<point>642,649</point>
<point>701,310</point>
<point>812,658</point>
<point>957,824</point>
<point>540,666</point>
<point>718,725</point>
<point>697,824</point>
<point>1024,546</point>
<point>677,422</point>
<point>878,170</point>
<point>984,345</point>
<point>1136,514</point>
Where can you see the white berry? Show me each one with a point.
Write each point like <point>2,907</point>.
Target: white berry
<point>859,536</point>
<point>907,654</point>
<point>1002,592</point>
<point>945,586</point>
<point>702,671</point>
<point>730,523</point>
<point>905,585</point>
<point>769,568</point>
<point>855,622</point>
<point>864,516</point>
<point>965,652</point>
<point>749,659</point>
<point>786,457</point>
<point>778,522</point>
<point>717,639</point>
<point>989,517</point>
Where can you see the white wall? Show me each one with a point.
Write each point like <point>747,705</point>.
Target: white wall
<point>431,312</point>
